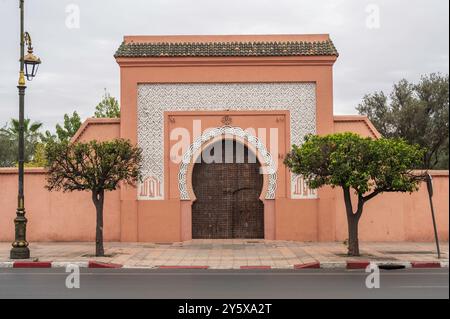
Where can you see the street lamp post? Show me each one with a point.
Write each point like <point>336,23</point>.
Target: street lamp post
<point>28,67</point>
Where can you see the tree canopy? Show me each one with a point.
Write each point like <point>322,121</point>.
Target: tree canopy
<point>108,107</point>
<point>363,164</point>
<point>94,166</point>
<point>65,132</point>
<point>8,151</point>
<point>9,141</point>
<point>35,140</point>
<point>91,166</point>
<point>417,113</point>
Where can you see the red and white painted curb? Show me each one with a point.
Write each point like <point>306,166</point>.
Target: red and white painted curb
<point>363,264</point>
<point>57,264</point>
<point>357,264</point>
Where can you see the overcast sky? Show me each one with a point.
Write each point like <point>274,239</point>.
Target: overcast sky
<point>409,39</point>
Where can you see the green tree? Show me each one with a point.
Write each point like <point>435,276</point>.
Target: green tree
<point>96,167</point>
<point>108,107</point>
<point>8,153</point>
<point>39,159</point>
<point>64,133</point>
<point>363,166</point>
<point>31,137</point>
<point>417,113</point>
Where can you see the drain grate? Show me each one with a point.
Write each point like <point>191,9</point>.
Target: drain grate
<point>391,267</point>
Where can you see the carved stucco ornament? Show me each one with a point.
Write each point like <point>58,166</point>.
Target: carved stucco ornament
<point>155,99</point>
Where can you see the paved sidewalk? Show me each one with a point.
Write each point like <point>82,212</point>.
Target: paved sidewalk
<point>231,254</point>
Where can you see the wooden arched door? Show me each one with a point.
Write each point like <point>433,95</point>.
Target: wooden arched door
<point>227,192</point>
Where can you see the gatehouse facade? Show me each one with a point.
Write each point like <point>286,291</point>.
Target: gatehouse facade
<point>185,99</point>
<point>262,92</point>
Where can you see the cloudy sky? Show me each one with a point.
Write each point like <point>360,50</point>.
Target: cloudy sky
<point>410,38</point>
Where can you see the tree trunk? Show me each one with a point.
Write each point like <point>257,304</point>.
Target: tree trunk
<point>353,242</point>
<point>352,221</point>
<point>98,199</point>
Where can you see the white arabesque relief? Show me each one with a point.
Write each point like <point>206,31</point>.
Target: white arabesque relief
<point>154,99</point>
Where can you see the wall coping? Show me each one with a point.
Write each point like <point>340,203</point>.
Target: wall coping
<point>359,118</point>
<point>28,170</point>
<point>437,173</point>
<point>92,121</point>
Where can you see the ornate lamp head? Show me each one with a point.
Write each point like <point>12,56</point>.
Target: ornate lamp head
<point>31,61</point>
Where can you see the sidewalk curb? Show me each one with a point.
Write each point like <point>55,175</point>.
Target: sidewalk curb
<point>360,264</point>
<point>57,264</point>
<point>32,264</point>
<point>99,264</point>
<point>64,264</point>
<point>333,265</point>
<point>255,267</point>
<point>314,265</point>
<point>6,264</point>
<point>354,264</point>
<point>182,267</point>
<point>363,264</point>
<point>416,264</point>
<point>405,264</point>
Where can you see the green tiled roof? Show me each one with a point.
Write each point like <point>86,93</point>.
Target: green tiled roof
<point>226,49</point>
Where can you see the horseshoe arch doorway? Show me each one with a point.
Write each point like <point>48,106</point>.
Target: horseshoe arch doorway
<point>227,183</point>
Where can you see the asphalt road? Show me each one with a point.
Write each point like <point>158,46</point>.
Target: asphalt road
<point>226,284</point>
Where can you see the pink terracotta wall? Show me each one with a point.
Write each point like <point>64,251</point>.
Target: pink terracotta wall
<point>159,221</point>
<point>297,220</point>
<point>401,216</point>
<point>57,216</point>
<point>54,216</point>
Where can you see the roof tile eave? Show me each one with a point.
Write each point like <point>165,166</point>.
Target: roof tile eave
<point>220,49</point>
